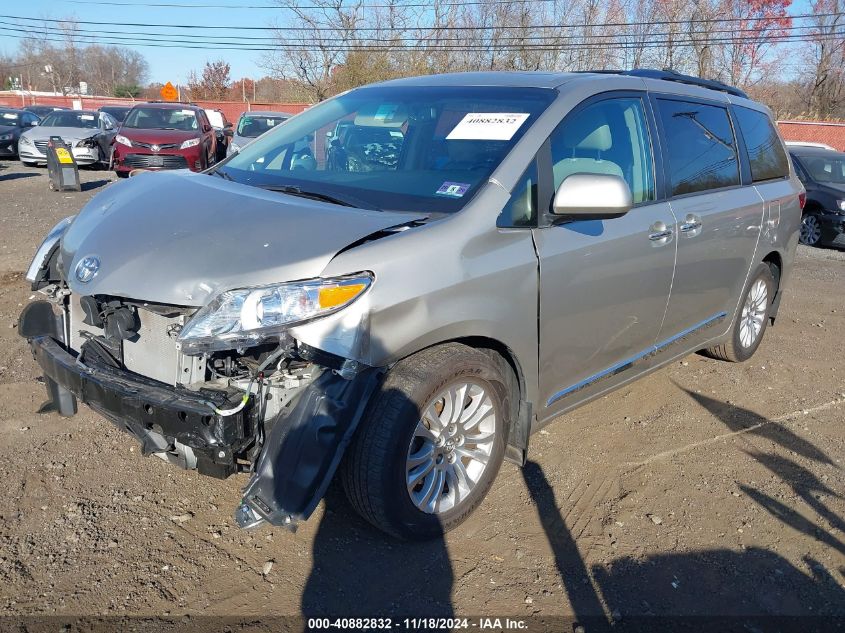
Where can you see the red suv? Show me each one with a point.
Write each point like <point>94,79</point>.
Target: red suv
<point>164,136</point>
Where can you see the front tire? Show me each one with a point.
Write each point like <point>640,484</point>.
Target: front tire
<point>431,442</point>
<point>751,320</point>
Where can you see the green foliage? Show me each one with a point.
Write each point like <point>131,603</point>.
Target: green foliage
<point>131,90</point>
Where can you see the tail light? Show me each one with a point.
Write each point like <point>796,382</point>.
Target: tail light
<point>802,199</point>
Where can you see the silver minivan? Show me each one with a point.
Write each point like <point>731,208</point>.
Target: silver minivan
<point>475,255</point>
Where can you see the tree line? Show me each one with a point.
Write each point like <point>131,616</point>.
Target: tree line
<point>795,64</point>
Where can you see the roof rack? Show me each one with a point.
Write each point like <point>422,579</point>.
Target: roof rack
<point>671,75</point>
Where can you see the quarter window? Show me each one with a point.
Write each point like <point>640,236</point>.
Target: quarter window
<point>765,152</point>
<point>608,137</point>
<point>700,146</point>
<point>521,209</point>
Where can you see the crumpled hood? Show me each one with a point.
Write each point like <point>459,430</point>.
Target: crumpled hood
<point>179,237</point>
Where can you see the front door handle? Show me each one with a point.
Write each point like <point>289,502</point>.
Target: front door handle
<point>659,232</point>
<point>691,224</point>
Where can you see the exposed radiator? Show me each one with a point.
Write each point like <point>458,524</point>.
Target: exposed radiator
<point>153,353</point>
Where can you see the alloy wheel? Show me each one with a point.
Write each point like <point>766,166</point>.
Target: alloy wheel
<point>811,230</point>
<point>451,447</point>
<point>753,313</point>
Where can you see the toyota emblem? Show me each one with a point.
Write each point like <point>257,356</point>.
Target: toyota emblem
<point>155,148</point>
<point>87,268</point>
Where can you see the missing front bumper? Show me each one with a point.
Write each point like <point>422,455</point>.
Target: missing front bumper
<point>298,459</point>
<point>160,417</point>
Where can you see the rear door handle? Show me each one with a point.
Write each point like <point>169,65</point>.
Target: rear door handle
<point>691,223</point>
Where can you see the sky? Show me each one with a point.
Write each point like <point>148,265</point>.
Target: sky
<point>166,64</point>
<point>174,64</point>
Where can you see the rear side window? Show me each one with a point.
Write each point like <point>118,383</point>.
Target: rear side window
<point>765,151</point>
<point>701,147</point>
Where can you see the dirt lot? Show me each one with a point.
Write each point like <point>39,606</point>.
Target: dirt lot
<point>705,488</point>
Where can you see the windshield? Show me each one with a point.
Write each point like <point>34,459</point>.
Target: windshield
<point>162,119</point>
<point>251,126</point>
<point>826,169</point>
<point>116,112</point>
<point>398,148</point>
<point>69,118</point>
<point>9,118</point>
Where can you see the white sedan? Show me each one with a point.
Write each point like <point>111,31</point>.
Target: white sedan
<point>87,132</point>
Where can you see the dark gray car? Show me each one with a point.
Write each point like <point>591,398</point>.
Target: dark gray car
<point>406,308</point>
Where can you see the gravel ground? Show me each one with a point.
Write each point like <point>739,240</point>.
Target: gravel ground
<point>704,488</point>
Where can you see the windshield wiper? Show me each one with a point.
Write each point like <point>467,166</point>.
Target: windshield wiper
<point>294,190</point>
<point>219,172</point>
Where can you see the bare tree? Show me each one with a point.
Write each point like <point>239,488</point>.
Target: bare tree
<point>826,89</point>
<point>213,83</point>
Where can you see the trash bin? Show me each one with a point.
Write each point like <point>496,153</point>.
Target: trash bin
<point>64,174</point>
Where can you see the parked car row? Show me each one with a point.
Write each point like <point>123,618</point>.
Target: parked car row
<point>147,136</point>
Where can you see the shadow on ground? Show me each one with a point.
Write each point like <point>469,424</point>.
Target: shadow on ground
<point>15,175</point>
<point>380,576</point>
<point>94,184</point>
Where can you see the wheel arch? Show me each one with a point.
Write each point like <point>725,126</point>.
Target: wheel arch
<point>775,262</point>
<point>521,405</point>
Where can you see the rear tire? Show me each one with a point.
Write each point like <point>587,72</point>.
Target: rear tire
<point>418,466</point>
<point>751,319</point>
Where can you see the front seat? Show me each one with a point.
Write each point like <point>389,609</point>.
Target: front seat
<point>585,141</point>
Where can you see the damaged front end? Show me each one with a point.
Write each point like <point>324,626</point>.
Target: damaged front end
<point>221,389</point>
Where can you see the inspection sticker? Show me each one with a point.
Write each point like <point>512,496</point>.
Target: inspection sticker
<point>86,117</point>
<point>453,189</point>
<point>487,126</point>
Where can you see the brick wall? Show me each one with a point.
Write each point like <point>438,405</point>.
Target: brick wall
<point>232,109</point>
<point>829,133</point>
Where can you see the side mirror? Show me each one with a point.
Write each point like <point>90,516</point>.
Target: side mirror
<point>228,125</point>
<point>592,197</point>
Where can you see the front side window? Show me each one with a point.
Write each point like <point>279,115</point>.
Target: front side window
<point>765,151</point>
<point>184,119</point>
<point>406,148</point>
<point>608,137</point>
<point>701,147</point>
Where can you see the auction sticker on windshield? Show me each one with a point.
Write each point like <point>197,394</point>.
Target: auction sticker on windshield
<point>453,189</point>
<point>487,126</point>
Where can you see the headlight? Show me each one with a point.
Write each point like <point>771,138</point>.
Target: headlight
<point>191,142</point>
<point>7,137</point>
<point>122,140</point>
<point>87,142</point>
<point>248,316</point>
<point>25,140</point>
<point>841,204</point>
<point>46,248</point>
